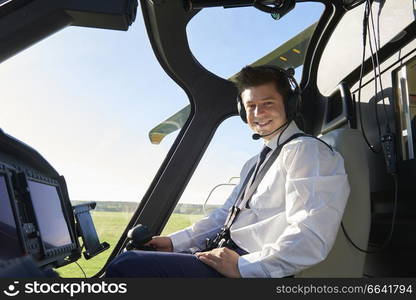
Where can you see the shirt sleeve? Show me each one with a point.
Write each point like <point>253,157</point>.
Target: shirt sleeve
<point>316,193</point>
<point>208,227</point>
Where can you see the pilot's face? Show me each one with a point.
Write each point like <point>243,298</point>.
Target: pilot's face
<point>265,109</point>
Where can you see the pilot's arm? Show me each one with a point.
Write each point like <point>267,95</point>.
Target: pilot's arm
<point>208,227</point>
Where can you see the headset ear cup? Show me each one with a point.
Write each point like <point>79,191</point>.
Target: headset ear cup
<point>241,109</point>
<point>293,105</point>
<point>297,103</point>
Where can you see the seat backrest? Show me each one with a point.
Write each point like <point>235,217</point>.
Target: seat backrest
<point>344,260</point>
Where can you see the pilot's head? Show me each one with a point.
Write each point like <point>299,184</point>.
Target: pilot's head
<point>263,95</point>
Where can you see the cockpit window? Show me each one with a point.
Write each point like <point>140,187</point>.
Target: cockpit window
<point>88,110</point>
<point>345,46</point>
<point>225,40</point>
<point>242,36</point>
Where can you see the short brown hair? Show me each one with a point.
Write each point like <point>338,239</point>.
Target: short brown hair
<point>254,76</point>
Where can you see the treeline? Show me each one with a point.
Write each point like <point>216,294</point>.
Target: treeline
<point>193,209</point>
<point>111,205</point>
<point>130,207</point>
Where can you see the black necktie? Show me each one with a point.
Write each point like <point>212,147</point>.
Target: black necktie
<point>260,160</point>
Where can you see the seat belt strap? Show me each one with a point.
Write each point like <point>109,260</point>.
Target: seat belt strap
<point>260,175</point>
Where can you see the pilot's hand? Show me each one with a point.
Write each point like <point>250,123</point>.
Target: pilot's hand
<point>161,243</point>
<point>223,260</point>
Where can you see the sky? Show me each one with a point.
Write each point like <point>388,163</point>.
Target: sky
<point>86,100</point>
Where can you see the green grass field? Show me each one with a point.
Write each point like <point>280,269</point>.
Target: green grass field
<point>109,226</point>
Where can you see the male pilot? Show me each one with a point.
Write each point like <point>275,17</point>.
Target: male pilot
<point>275,226</point>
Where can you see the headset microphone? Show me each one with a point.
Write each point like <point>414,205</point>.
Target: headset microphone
<point>256,136</point>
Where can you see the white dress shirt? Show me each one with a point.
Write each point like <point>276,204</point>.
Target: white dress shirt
<point>294,215</point>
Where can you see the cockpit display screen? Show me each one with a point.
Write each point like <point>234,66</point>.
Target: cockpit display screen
<point>48,209</point>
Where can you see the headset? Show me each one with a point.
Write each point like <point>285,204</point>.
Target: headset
<point>292,103</point>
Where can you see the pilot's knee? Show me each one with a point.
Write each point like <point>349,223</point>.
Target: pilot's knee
<point>122,264</point>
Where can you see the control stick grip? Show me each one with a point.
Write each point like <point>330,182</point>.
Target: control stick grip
<point>139,235</point>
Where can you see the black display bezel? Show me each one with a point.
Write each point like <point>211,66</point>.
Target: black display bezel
<point>30,238</point>
<point>61,250</point>
<point>5,172</point>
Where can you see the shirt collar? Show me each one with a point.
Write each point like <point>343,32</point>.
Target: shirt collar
<point>290,130</point>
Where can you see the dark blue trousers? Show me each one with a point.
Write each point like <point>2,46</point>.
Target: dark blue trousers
<point>160,264</point>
